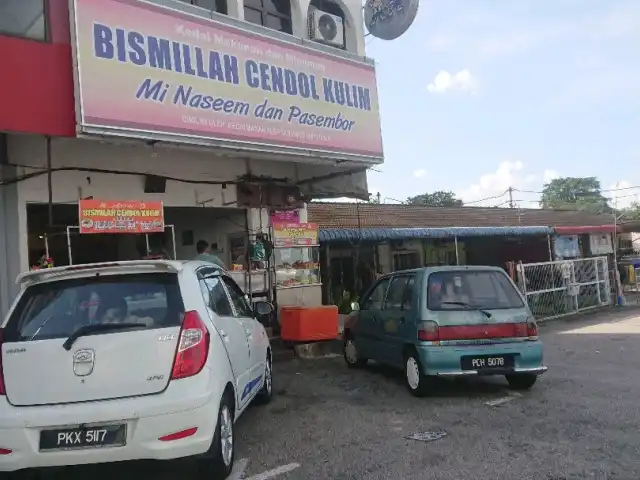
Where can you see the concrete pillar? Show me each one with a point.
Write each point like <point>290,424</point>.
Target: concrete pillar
<point>255,222</point>
<point>10,239</point>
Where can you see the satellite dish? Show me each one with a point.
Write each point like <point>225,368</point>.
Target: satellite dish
<point>389,19</point>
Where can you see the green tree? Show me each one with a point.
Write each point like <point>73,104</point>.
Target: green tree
<point>632,213</point>
<point>436,199</point>
<point>574,193</point>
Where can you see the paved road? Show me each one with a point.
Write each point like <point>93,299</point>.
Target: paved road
<point>581,421</point>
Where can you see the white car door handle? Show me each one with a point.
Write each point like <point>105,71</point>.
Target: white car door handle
<point>224,335</point>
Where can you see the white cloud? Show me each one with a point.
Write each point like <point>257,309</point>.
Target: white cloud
<point>460,81</point>
<point>493,184</point>
<point>421,172</point>
<point>491,189</point>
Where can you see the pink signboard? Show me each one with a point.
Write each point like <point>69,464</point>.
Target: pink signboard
<point>285,216</point>
<point>155,71</point>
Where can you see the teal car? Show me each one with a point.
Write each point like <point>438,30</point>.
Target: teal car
<point>450,322</point>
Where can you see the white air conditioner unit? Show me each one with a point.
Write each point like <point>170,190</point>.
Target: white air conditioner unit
<point>326,28</point>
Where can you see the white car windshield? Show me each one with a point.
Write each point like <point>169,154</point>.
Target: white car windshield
<point>57,309</point>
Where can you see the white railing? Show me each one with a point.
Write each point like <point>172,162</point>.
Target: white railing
<point>565,287</point>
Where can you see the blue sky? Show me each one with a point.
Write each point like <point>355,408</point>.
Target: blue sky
<point>480,96</point>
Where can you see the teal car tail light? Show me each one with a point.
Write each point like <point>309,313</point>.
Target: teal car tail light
<point>428,331</point>
<point>532,329</point>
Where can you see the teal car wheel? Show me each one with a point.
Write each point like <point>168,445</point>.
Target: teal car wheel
<point>351,354</point>
<point>416,381</point>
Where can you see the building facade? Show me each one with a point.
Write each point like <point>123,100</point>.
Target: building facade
<point>189,103</point>
<point>360,240</point>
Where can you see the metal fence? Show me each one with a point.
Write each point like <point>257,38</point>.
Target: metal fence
<point>631,285</point>
<point>565,287</point>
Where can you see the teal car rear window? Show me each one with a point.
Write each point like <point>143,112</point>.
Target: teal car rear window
<point>478,289</point>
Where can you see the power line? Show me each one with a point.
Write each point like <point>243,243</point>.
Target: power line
<point>516,202</point>
<point>488,198</point>
<point>627,196</point>
<point>621,188</point>
<point>499,204</point>
<point>526,191</point>
<point>633,187</point>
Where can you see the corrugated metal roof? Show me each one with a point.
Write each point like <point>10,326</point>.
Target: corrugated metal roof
<point>371,215</point>
<point>582,229</point>
<point>383,234</point>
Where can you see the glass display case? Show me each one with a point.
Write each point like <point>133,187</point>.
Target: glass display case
<point>297,266</point>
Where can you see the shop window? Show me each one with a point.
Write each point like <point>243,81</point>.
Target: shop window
<point>219,6</point>
<point>273,14</point>
<point>406,260</point>
<point>23,18</point>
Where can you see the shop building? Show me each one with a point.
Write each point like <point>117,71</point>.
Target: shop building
<point>359,240</point>
<point>221,111</point>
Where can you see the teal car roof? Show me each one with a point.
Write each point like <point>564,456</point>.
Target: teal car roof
<point>444,268</point>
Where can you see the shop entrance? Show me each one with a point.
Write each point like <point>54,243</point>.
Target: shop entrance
<point>53,241</point>
<point>223,228</point>
<point>64,244</point>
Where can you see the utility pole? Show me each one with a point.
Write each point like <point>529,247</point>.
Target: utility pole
<point>510,197</point>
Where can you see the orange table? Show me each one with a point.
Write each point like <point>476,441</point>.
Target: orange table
<point>303,324</point>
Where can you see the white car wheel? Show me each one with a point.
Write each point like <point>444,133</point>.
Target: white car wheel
<point>217,462</point>
<point>266,392</point>
<point>226,435</point>
<point>268,379</point>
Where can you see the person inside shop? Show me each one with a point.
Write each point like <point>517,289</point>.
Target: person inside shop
<point>205,255</point>
<point>258,253</point>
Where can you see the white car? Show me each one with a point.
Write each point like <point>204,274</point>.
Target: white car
<point>131,360</point>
